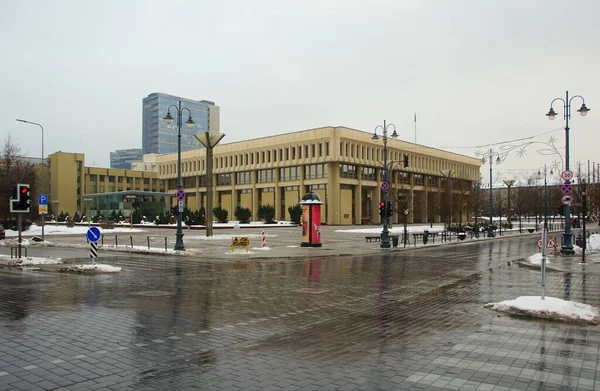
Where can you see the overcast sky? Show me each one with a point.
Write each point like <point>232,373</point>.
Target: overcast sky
<point>475,72</point>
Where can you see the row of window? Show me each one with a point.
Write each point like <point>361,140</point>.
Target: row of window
<point>119,179</point>
<point>276,155</point>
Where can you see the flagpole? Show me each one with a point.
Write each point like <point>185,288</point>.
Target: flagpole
<point>415,127</point>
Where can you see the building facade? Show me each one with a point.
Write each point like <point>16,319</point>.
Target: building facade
<point>342,165</point>
<point>70,181</point>
<point>160,137</point>
<point>122,158</point>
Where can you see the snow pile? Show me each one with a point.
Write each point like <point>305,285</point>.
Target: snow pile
<point>261,248</point>
<point>14,242</point>
<point>6,260</point>
<point>91,269</point>
<point>536,259</point>
<point>550,308</point>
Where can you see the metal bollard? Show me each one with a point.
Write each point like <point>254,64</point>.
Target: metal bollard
<point>131,240</point>
<point>148,237</point>
<point>102,237</point>
<point>165,243</point>
<point>116,241</point>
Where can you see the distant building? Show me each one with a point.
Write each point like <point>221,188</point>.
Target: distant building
<point>122,158</point>
<point>148,163</point>
<point>160,137</point>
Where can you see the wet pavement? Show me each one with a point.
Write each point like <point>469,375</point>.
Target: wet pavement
<point>364,319</point>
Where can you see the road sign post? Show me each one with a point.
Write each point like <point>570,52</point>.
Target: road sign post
<point>93,234</point>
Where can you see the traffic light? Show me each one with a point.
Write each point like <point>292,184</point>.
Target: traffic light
<point>20,199</point>
<point>24,197</point>
<point>382,209</point>
<point>390,210</point>
<point>174,210</point>
<point>405,160</point>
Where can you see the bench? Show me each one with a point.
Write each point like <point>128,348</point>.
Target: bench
<point>377,238</point>
<point>241,241</point>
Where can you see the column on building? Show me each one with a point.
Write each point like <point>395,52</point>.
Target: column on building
<point>254,176</point>
<point>358,196</point>
<point>333,193</point>
<point>277,189</point>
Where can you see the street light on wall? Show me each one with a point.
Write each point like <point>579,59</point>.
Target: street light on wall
<point>385,237</point>
<point>209,140</point>
<point>489,155</point>
<point>189,123</point>
<point>567,243</point>
<point>42,174</point>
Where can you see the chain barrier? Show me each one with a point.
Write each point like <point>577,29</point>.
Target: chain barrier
<point>147,241</point>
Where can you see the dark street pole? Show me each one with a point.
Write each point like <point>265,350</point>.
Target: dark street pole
<point>179,246</point>
<point>385,237</point>
<point>567,243</point>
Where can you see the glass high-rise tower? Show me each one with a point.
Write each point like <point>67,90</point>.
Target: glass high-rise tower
<point>159,137</point>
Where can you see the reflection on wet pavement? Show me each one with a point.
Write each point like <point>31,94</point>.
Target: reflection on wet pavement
<point>402,321</point>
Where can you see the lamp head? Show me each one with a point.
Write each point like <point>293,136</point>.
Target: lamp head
<point>394,135</point>
<point>168,119</point>
<point>551,114</point>
<point>375,136</point>
<point>583,110</point>
<point>189,122</point>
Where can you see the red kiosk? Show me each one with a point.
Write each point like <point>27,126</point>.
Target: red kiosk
<point>311,220</point>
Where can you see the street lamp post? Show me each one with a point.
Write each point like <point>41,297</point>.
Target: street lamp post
<point>490,156</point>
<point>385,237</point>
<point>567,243</point>
<point>42,171</point>
<point>209,140</point>
<point>508,183</point>
<point>189,123</point>
<point>448,219</point>
<point>87,213</point>
<point>131,199</point>
<point>55,209</point>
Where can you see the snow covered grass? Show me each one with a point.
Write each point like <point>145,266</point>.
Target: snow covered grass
<point>551,308</point>
<point>90,269</point>
<point>6,260</point>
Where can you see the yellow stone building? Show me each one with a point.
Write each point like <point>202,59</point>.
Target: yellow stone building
<point>342,165</point>
<point>70,180</point>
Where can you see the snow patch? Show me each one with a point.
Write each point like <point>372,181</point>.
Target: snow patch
<point>97,268</point>
<point>28,261</point>
<point>550,308</point>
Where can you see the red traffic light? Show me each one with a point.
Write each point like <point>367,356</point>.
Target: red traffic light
<point>382,204</point>
<point>24,190</point>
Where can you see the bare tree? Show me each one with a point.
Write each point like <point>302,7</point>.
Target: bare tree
<point>13,169</point>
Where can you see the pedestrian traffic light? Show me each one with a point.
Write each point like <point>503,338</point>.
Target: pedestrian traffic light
<point>382,209</point>
<point>174,210</point>
<point>24,197</point>
<point>390,210</point>
<point>405,161</point>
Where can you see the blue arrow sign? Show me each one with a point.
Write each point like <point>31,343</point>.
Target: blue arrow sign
<point>43,199</point>
<point>93,234</point>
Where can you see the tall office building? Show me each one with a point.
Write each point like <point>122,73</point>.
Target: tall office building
<point>122,158</point>
<point>160,137</point>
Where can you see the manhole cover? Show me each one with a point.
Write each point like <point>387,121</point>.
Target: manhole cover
<point>152,293</point>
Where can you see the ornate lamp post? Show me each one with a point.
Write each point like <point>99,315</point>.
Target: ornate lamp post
<point>385,237</point>
<point>209,140</point>
<point>189,123</point>
<point>567,243</point>
<point>42,174</point>
<point>489,155</point>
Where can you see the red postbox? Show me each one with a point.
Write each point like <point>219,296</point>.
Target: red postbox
<point>311,220</point>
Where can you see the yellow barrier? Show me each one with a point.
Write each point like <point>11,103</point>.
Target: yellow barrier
<point>239,242</point>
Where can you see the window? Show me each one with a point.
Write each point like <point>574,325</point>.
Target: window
<point>289,173</point>
<point>403,178</point>
<point>315,171</point>
<point>368,173</point>
<point>265,175</point>
<point>224,180</point>
<point>347,171</point>
<point>243,178</point>
<point>320,150</point>
<point>327,151</point>
<point>418,180</point>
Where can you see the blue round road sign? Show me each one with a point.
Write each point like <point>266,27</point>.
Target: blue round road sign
<point>93,234</point>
